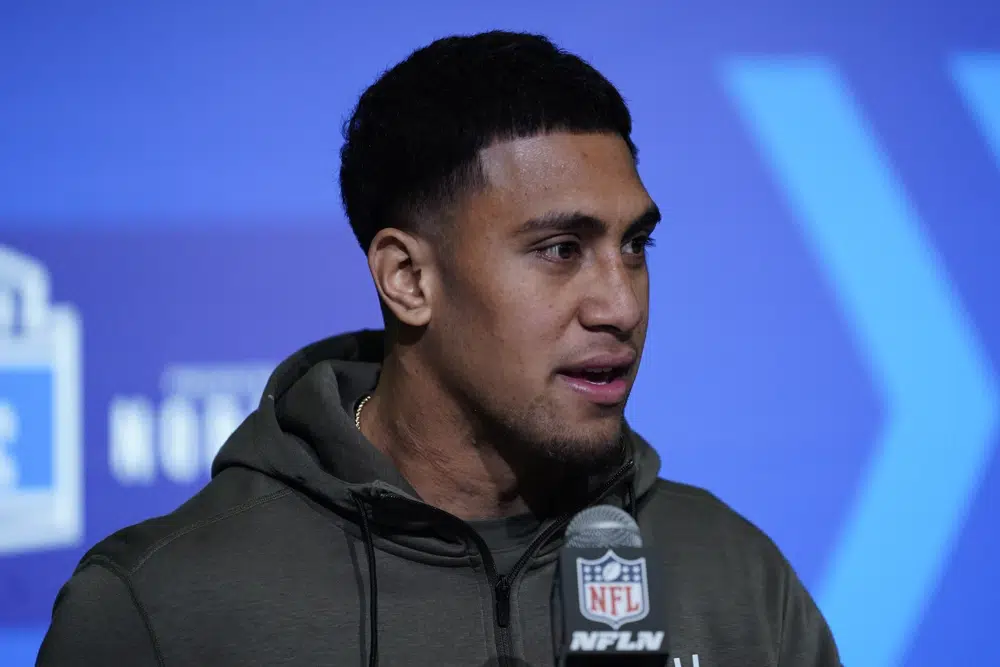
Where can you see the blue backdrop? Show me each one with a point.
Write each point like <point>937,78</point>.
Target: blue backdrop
<point>825,324</point>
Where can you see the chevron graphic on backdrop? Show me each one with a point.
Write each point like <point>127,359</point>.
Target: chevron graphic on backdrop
<point>978,79</point>
<point>938,391</point>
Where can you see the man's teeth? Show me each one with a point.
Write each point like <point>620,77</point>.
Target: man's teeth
<point>598,375</point>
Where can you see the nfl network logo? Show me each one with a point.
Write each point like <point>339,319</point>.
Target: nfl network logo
<point>613,590</point>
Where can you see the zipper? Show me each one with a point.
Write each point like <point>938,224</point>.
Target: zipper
<point>502,584</point>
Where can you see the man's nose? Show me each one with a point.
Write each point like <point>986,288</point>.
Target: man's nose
<point>614,298</point>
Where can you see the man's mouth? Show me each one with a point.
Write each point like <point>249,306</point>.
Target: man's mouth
<point>602,379</point>
<point>598,376</point>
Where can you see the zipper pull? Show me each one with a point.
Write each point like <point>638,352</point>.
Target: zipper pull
<point>503,601</point>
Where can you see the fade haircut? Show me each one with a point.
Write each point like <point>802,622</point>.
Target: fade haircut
<point>411,145</point>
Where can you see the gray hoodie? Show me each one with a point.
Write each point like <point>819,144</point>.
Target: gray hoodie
<point>308,547</point>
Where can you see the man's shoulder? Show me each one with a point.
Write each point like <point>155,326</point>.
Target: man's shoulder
<point>715,556</point>
<point>684,514</point>
<point>226,505</point>
<point>665,494</point>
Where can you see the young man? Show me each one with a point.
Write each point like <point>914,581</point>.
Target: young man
<point>398,499</point>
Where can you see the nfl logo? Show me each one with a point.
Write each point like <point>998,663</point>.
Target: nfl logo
<point>613,590</point>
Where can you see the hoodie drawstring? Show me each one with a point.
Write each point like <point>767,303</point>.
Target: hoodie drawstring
<point>366,534</point>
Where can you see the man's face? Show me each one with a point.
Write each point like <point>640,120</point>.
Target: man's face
<point>545,295</point>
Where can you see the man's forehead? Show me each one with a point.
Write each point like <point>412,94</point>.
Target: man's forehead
<point>591,173</point>
<point>557,156</point>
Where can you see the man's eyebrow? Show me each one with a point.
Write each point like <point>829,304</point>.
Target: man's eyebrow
<point>582,223</point>
<point>646,221</point>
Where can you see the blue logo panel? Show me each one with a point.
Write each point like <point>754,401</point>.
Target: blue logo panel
<point>26,425</point>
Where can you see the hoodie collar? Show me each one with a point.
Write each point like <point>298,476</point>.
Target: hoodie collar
<point>303,434</point>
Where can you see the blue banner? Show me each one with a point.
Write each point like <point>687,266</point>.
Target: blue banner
<point>825,323</point>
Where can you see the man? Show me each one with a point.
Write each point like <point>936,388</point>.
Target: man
<point>398,499</point>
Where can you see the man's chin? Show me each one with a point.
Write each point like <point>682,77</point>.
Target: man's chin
<point>592,450</point>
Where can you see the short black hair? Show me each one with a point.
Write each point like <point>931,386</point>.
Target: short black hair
<point>412,142</point>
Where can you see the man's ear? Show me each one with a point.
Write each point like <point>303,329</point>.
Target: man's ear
<point>401,265</point>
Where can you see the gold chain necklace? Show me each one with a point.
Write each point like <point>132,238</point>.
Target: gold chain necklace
<point>357,410</point>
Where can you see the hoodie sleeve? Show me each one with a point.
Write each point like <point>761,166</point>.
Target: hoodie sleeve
<point>95,621</point>
<point>806,639</point>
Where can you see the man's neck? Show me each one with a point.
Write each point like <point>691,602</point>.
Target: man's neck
<point>436,448</point>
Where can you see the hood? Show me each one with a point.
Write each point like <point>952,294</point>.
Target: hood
<point>303,434</point>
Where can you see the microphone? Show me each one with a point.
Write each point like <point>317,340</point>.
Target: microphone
<point>611,609</point>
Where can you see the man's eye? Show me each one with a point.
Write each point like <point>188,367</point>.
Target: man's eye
<point>560,251</point>
<point>637,245</point>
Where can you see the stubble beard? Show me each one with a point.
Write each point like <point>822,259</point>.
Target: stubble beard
<point>545,438</point>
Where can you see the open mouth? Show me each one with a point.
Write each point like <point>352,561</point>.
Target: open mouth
<point>598,376</point>
<point>601,379</point>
